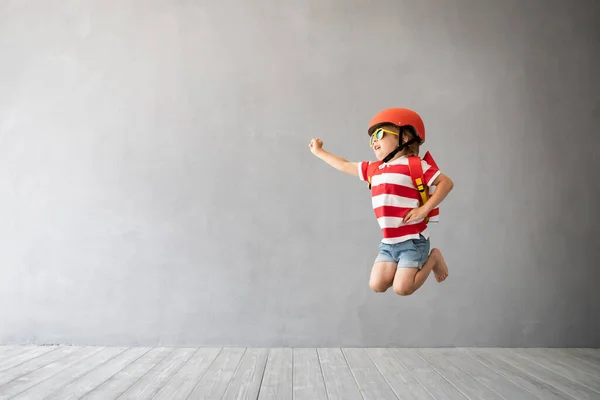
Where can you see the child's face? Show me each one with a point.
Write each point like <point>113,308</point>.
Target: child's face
<point>388,142</point>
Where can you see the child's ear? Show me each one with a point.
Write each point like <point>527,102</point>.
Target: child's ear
<point>406,136</point>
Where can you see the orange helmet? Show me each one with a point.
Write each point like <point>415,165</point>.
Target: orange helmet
<point>399,117</point>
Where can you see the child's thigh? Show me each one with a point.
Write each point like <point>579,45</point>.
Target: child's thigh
<point>383,271</point>
<point>382,275</point>
<point>404,279</point>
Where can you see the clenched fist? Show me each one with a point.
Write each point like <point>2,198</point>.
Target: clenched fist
<point>315,145</point>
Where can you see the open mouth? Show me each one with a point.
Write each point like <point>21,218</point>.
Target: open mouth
<point>376,147</point>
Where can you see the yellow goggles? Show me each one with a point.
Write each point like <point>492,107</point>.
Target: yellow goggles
<point>378,134</point>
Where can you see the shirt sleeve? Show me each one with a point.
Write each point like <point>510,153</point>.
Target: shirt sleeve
<point>430,173</point>
<point>362,170</point>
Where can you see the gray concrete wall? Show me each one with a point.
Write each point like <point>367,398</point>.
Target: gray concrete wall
<point>156,185</point>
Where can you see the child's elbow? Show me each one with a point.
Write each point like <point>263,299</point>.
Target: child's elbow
<point>448,182</point>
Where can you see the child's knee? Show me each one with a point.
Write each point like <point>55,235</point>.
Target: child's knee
<point>403,290</point>
<point>378,286</point>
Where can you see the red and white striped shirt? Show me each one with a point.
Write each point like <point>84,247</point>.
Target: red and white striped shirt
<point>394,194</point>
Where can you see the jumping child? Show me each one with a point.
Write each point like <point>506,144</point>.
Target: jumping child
<point>404,260</point>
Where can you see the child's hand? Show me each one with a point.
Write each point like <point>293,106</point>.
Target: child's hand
<point>315,145</point>
<point>415,214</point>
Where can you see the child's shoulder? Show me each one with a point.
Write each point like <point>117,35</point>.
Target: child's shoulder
<point>373,165</point>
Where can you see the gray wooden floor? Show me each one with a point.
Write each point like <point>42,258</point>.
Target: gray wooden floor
<point>71,372</point>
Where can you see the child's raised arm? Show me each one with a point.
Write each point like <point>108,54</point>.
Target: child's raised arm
<point>339,163</point>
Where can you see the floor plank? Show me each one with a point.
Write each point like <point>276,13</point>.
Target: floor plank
<point>371,383</point>
<point>32,364</point>
<point>401,381</point>
<point>151,383</point>
<point>464,382</point>
<point>573,362</point>
<point>94,378</point>
<point>186,379</point>
<point>245,383</point>
<point>125,378</point>
<point>307,376</point>
<point>586,356</point>
<point>24,356</point>
<point>277,381</point>
<point>32,378</point>
<point>9,351</point>
<point>69,374</point>
<point>13,351</point>
<point>500,384</point>
<point>565,385</point>
<point>539,388</point>
<point>215,381</point>
<point>432,381</point>
<point>592,353</point>
<point>542,358</point>
<point>339,381</point>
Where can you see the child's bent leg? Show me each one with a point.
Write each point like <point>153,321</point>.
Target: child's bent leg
<point>407,280</point>
<point>440,269</point>
<point>404,281</point>
<point>382,276</point>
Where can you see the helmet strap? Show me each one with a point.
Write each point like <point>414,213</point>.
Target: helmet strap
<point>400,147</point>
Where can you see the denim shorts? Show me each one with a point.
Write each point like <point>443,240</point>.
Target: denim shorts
<point>408,254</point>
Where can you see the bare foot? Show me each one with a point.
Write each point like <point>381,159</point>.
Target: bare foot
<point>440,270</point>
